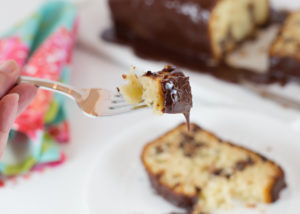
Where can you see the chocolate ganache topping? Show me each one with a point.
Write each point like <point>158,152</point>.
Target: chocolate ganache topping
<point>176,25</point>
<point>285,69</point>
<point>176,90</point>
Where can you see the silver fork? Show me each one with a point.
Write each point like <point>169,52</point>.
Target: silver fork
<point>94,102</point>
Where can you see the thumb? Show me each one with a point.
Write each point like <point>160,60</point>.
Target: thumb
<point>8,112</point>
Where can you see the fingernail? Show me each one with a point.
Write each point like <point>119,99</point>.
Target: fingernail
<point>15,96</point>
<point>9,66</point>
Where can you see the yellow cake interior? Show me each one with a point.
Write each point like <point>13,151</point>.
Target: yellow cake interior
<point>234,20</point>
<point>143,89</point>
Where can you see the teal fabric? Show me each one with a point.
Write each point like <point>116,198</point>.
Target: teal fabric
<point>33,32</point>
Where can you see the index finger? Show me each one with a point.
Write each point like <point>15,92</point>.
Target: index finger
<point>9,72</point>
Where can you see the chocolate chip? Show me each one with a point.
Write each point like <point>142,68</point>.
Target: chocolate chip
<point>159,150</point>
<point>189,153</point>
<point>181,145</point>
<point>197,189</point>
<point>221,173</point>
<point>241,165</point>
<point>189,145</point>
<point>217,172</point>
<point>187,137</point>
<point>195,129</point>
<point>227,176</point>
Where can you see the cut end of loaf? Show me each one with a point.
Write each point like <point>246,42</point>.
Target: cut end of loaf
<point>233,21</point>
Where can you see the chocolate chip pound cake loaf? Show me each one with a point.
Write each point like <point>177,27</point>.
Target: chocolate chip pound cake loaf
<point>165,91</point>
<point>198,171</point>
<point>285,50</point>
<point>206,28</point>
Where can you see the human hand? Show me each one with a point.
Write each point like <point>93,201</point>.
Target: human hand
<point>13,99</point>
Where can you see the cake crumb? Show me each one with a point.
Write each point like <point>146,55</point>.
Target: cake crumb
<point>262,211</point>
<point>243,53</point>
<point>251,205</point>
<point>269,149</point>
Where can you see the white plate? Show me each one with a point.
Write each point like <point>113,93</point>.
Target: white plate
<point>118,183</point>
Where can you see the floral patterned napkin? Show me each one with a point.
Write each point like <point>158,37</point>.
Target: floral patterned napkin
<point>42,46</point>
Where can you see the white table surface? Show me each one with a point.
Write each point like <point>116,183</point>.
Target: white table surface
<point>60,190</point>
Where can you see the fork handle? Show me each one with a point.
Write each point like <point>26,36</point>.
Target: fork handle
<point>51,86</point>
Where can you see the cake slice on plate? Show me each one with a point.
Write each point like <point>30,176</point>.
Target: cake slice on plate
<point>202,173</point>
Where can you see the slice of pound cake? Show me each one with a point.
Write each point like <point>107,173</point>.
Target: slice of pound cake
<point>285,50</point>
<point>200,172</point>
<point>166,91</point>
